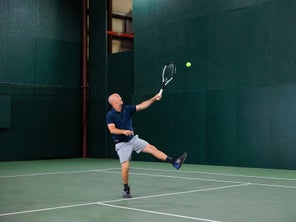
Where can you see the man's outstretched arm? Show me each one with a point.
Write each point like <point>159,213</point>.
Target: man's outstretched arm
<point>145,104</point>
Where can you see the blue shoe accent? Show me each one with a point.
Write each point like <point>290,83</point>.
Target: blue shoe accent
<point>179,161</point>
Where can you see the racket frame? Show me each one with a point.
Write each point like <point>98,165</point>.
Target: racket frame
<point>166,81</point>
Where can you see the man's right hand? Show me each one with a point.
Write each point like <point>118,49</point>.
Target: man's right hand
<point>128,132</point>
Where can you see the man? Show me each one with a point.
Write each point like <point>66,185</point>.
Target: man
<point>119,122</point>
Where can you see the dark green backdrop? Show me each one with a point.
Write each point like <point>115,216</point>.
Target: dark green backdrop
<point>40,70</point>
<point>236,104</point>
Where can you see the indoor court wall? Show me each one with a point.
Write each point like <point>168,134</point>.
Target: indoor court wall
<point>236,104</point>
<point>40,70</point>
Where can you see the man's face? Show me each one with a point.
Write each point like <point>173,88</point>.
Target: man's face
<point>117,99</point>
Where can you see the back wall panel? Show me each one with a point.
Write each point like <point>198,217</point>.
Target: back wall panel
<point>242,63</point>
<point>40,71</point>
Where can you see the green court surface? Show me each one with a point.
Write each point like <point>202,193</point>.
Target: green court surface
<point>90,190</point>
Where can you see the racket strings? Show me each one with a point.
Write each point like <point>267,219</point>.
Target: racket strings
<point>169,72</point>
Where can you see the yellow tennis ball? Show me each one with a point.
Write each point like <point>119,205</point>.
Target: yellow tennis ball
<point>188,64</point>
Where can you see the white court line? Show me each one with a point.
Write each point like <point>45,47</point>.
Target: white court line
<point>58,172</point>
<point>159,213</point>
<point>109,170</point>
<point>147,169</point>
<point>117,200</point>
<point>272,185</point>
<point>177,193</point>
<point>209,180</point>
<point>218,174</point>
<point>177,177</point>
<point>46,209</point>
<point>212,180</point>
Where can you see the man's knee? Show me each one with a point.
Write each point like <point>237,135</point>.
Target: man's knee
<point>125,165</point>
<point>150,149</point>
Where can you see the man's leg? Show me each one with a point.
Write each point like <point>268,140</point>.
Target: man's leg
<point>124,172</point>
<point>176,161</point>
<point>124,175</point>
<point>155,152</point>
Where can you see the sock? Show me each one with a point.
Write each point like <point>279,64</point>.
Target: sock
<point>125,186</point>
<point>169,160</point>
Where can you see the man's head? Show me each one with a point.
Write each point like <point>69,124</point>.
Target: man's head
<point>115,100</point>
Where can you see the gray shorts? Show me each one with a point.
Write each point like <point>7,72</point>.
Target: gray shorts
<point>124,150</point>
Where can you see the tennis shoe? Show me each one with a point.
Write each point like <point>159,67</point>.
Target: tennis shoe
<point>179,161</point>
<point>126,193</point>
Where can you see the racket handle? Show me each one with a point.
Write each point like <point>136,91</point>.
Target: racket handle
<point>160,92</point>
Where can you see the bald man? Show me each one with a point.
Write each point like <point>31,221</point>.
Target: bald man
<point>119,122</point>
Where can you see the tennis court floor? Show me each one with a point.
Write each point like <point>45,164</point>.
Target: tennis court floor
<point>90,190</point>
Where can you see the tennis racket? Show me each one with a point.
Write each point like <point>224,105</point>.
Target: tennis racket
<point>168,72</point>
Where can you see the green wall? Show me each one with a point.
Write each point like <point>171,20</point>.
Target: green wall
<point>5,111</point>
<point>40,79</point>
<point>108,73</point>
<point>98,78</point>
<point>40,70</point>
<point>236,104</point>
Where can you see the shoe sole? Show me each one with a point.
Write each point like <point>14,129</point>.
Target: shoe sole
<point>183,158</point>
<point>126,197</point>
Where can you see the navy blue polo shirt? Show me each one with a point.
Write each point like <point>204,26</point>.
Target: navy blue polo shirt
<point>122,120</point>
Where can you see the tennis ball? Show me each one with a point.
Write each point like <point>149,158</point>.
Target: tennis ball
<point>188,64</point>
